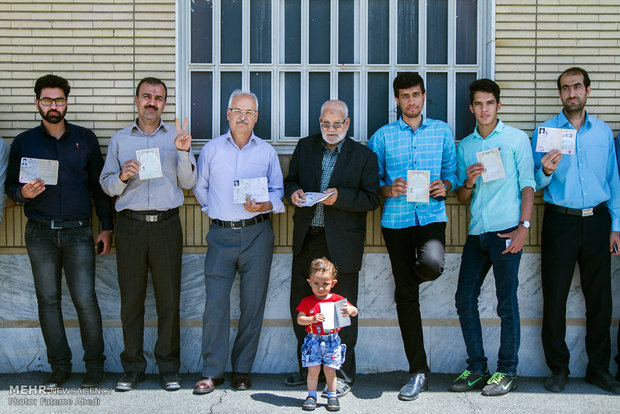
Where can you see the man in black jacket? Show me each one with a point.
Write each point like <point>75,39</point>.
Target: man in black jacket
<point>335,228</point>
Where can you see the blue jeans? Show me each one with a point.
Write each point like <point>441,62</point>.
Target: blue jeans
<point>49,251</point>
<point>479,253</point>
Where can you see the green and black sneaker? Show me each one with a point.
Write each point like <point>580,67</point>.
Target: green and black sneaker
<point>468,381</point>
<point>499,384</point>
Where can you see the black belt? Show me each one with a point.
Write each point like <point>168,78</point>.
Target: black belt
<point>576,211</point>
<point>150,216</point>
<point>60,224</point>
<point>314,230</point>
<point>242,223</point>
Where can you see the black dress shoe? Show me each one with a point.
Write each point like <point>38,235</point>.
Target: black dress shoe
<point>170,381</point>
<point>241,381</point>
<point>603,379</point>
<point>56,379</point>
<point>557,380</point>
<point>93,377</point>
<point>129,381</point>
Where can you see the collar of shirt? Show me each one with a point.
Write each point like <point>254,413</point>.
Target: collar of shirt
<point>497,130</point>
<point>337,149</point>
<point>136,128</point>
<point>230,139</point>
<point>44,132</point>
<point>563,122</point>
<point>403,125</point>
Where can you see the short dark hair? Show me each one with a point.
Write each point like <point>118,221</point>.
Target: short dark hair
<point>407,80</point>
<point>483,85</point>
<point>51,81</point>
<point>573,71</point>
<point>152,81</point>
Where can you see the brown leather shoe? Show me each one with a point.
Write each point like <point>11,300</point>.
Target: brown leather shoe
<point>206,385</point>
<point>241,381</point>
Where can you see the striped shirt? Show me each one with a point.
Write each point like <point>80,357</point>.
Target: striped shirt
<point>399,148</point>
<point>327,168</point>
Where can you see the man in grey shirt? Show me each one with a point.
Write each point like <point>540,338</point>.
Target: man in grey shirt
<point>148,230</point>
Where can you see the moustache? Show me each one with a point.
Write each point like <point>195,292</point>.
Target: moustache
<point>242,121</point>
<point>150,107</point>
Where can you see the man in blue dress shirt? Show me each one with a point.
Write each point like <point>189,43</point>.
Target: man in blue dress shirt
<point>500,220</point>
<point>581,225</point>
<point>414,232</point>
<point>240,239</point>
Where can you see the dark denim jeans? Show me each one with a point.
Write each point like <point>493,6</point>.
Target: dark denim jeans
<point>479,254</point>
<point>49,251</point>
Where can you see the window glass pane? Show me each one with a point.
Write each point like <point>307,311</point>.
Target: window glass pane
<point>229,81</point>
<point>437,96</point>
<point>466,32</point>
<point>465,120</point>
<point>202,105</point>
<point>346,93</point>
<point>378,110</point>
<point>201,31</point>
<point>260,84</point>
<point>232,31</point>
<point>292,31</point>
<point>437,32</point>
<point>346,31</point>
<point>319,50</point>
<point>292,98</point>
<point>318,89</point>
<point>408,32</point>
<point>378,31</point>
<point>260,31</point>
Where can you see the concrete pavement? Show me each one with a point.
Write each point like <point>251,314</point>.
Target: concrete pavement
<point>373,393</point>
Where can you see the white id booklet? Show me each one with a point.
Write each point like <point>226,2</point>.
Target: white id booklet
<point>562,139</point>
<point>492,162</point>
<point>334,318</point>
<point>32,168</point>
<point>255,188</point>
<point>150,163</point>
<point>418,183</point>
<point>313,198</point>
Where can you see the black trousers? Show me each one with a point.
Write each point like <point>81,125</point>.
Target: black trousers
<point>417,255</point>
<point>158,246</point>
<point>566,240</point>
<point>315,246</point>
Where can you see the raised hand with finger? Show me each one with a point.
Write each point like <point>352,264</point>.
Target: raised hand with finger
<point>183,141</point>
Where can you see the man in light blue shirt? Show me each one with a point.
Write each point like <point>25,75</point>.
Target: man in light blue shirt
<point>501,208</point>
<point>414,232</point>
<point>240,239</point>
<point>581,225</point>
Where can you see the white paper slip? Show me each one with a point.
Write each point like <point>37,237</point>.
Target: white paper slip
<point>255,188</point>
<point>334,318</point>
<point>313,198</point>
<point>150,163</point>
<point>32,168</point>
<point>418,183</point>
<point>562,139</point>
<point>492,162</point>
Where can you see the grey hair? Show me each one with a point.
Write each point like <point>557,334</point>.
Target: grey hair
<point>238,92</point>
<point>345,108</point>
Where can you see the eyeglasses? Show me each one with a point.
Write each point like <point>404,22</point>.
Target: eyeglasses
<point>336,125</point>
<point>248,112</point>
<point>57,101</point>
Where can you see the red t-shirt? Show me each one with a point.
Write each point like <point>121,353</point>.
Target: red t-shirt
<point>310,306</point>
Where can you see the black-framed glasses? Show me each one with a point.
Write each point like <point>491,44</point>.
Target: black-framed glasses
<point>57,101</point>
<point>335,125</point>
<point>248,112</point>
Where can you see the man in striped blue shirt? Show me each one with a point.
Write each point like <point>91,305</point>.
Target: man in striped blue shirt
<point>581,225</point>
<point>414,232</point>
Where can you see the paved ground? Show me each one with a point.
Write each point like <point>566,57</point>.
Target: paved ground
<point>374,393</point>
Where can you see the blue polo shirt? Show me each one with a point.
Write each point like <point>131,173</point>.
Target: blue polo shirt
<point>496,205</point>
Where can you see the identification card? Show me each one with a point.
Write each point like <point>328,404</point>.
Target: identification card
<point>150,163</point>
<point>333,315</point>
<point>255,188</point>
<point>313,198</point>
<point>32,168</point>
<point>418,183</point>
<point>562,139</point>
<point>492,162</point>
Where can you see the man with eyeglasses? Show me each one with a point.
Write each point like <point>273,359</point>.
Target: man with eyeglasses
<point>334,164</point>
<point>240,239</point>
<point>414,231</point>
<point>147,167</point>
<point>58,232</point>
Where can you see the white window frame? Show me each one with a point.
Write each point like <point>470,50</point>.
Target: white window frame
<point>184,68</point>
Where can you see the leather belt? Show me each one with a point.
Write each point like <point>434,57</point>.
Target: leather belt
<point>585,212</point>
<point>314,230</point>
<point>60,224</point>
<point>242,223</point>
<point>150,216</point>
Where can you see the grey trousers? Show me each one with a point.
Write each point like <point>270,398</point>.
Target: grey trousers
<point>248,251</point>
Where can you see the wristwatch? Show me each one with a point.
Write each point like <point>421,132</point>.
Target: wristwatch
<point>525,224</point>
